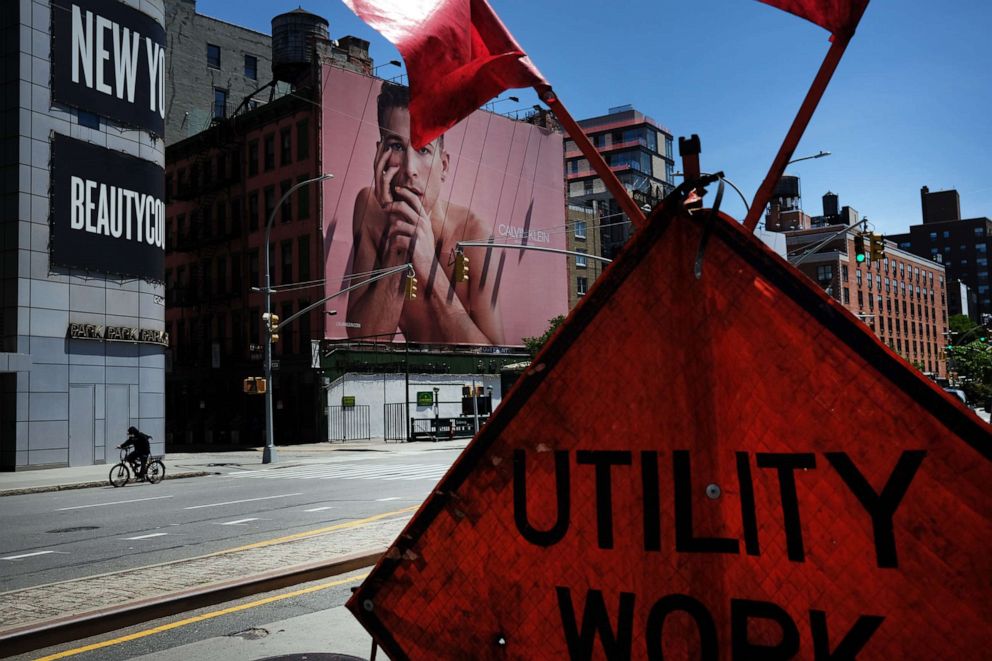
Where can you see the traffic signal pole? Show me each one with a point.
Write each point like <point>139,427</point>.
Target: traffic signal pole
<point>269,453</point>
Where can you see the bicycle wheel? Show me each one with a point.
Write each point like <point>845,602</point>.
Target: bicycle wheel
<point>119,475</point>
<point>155,472</point>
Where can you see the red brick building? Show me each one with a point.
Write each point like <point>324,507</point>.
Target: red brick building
<point>902,297</point>
<point>222,185</point>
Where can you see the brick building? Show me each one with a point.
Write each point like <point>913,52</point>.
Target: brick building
<point>902,297</point>
<point>223,185</point>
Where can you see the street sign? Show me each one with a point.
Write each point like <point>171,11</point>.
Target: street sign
<point>425,398</point>
<point>348,401</point>
<point>716,495</point>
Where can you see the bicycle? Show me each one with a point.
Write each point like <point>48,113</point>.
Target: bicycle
<point>122,473</point>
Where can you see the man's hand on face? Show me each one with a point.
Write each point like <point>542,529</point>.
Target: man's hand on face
<point>409,224</point>
<point>383,175</point>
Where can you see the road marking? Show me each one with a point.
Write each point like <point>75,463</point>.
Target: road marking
<point>383,500</point>
<point>357,523</point>
<point>248,500</point>
<point>200,618</point>
<point>318,509</point>
<point>119,502</point>
<point>234,523</point>
<point>149,536</point>
<point>30,555</point>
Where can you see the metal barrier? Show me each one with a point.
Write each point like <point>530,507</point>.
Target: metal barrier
<point>394,422</point>
<point>348,423</point>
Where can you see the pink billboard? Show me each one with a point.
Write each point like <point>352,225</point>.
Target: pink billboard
<point>488,179</point>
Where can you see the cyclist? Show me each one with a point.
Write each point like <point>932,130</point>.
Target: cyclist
<point>139,441</point>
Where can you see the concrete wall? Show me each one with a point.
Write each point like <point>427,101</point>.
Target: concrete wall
<point>114,384</point>
<point>375,390</point>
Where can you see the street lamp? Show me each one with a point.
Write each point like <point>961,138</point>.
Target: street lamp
<point>269,453</point>
<point>394,63</point>
<point>806,158</point>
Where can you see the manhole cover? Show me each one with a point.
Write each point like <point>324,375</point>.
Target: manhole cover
<point>75,529</point>
<point>314,656</point>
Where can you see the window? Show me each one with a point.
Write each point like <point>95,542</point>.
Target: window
<point>933,236</point>
<point>213,56</point>
<point>847,296</point>
<point>236,270</point>
<point>587,187</point>
<point>220,103</point>
<point>303,201</point>
<point>286,211</point>
<point>253,158</point>
<point>302,139</point>
<point>286,250</point>
<point>981,247</point>
<point>286,146</point>
<point>581,285</point>
<point>946,234</point>
<point>979,231</point>
<point>236,216</point>
<point>253,211</point>
<point>843,273</point>
<point>303,258</point>
<point>270,203</point>
<point>580,229</point>
<point>580,260</point>
<point>253,269</point>
<point>251,67</point>
<point>857,277</point>
<point>269,152</point>
<point>303,324</point>
<point>824,274</point>
<point>88,119</point>
<point>287,331</point>
<point>222,275</point>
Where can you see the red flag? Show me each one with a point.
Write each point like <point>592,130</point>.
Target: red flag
<point>838,16</point>
<point>458,56</point>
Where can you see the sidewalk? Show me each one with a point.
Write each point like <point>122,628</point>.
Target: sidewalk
<point>199,464</point>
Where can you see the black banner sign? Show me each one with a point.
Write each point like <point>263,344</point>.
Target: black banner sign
<point>108,211</point>
<point>109,59</point>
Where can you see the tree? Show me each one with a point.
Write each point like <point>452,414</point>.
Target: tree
<point>959,324</point>
<point>534,344</point>
<point>973,363</point>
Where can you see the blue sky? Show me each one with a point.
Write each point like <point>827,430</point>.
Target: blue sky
<point>909,106</point>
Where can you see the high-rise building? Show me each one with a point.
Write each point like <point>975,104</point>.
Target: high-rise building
<point>962,245</point>
<point>83,215</point>
<point>639,151</point>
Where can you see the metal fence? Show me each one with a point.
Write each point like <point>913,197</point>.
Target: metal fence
<point>395,422</point>
<point>348,423</point>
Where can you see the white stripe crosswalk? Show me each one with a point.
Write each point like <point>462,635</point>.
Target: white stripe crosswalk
<point>349,472</point>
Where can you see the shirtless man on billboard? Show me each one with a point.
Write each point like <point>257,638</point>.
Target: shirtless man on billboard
<point>399,219</point>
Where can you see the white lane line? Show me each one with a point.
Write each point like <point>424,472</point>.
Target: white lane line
<point>149,536</point>
<point>383,500</point>
<point>248,500</point>
<point>318,509</point>
<point>30,555</point>
<point>234,523</point>
<point>119,502</point>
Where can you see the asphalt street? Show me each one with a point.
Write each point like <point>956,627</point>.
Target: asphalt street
<point>51,537</point>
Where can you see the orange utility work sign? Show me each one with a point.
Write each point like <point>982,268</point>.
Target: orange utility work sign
<point>729,466</point>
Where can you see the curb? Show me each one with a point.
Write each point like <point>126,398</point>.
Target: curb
<point>89,485</point>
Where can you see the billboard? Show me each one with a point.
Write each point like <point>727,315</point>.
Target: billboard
<point>109,59</point>
<point>107,210</point>
<point>487,179</point>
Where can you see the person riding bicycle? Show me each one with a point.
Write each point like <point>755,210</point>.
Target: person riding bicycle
<point>142,449</point>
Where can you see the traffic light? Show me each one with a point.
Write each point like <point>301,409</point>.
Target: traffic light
<point>254,385</point>
<point>876,248</point>
<point>859,247</point>
<point>411,287</point>
<point>272,325</point>
<point>461,267</point>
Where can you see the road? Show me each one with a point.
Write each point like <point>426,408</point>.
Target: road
<point>57,536</point>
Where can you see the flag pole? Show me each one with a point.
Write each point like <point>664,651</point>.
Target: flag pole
<point>620,194</point>
<point>797,129</point>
